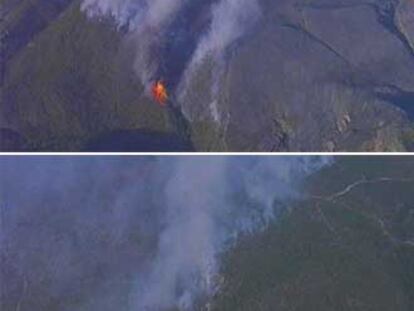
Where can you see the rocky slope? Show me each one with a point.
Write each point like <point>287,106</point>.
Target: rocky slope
<point>312,75</point>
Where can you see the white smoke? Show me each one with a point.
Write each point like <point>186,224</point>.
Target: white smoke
<point>188,245</point>
<point>79,215</point>
<point>122,10</point>
<point>205,212</point>
<point>136,14</point>
<point>148,22</point>
<point>230,19</point>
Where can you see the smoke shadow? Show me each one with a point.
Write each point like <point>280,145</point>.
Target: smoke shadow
<point>142,140</point>
<point>181,41</point>
<point>403,100</point>
<point>12,141</point>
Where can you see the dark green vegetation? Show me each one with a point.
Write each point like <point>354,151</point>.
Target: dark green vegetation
<point>336,250</point>
<point>82,243</point>
<point>328,76</point>
<point>74,82</point>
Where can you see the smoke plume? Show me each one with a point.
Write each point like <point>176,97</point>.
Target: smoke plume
<point>174,37</point>
<point>132,233</point>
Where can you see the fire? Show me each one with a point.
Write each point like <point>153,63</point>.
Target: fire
<point>159,92</point>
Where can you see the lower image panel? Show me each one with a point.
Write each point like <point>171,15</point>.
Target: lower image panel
<point>206,233</point>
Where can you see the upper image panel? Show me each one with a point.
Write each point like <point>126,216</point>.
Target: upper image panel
<point>207,75</point>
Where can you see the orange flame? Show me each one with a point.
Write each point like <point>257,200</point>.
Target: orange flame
<point>159,92</point>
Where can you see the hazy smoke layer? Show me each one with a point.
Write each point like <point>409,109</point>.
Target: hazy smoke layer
<point>173,37</point>
<point>131,234</point>
<point>230,18</point>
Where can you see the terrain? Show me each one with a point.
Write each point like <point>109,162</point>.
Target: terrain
<point>349,246</point>
<point>79,240</point>
<point>311,75</point>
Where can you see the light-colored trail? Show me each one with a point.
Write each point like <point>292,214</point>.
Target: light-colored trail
<point>351,187</point>
<point>357,183</point>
